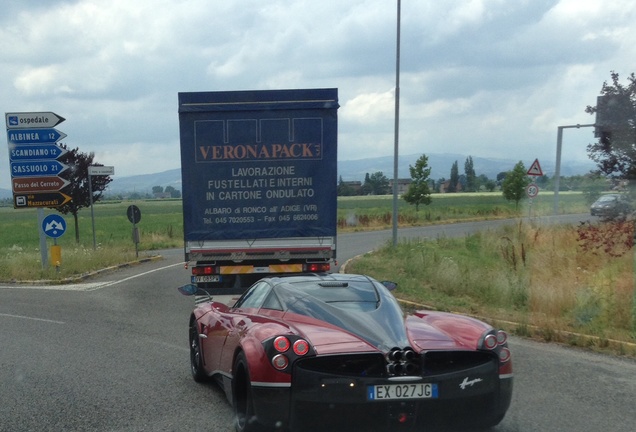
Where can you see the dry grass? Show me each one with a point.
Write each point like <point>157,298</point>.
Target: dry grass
<point>554,279</point>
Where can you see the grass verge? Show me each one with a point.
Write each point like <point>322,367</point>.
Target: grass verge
<point>553,283</point>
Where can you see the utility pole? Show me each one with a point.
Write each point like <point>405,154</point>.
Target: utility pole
<point>396,126</point>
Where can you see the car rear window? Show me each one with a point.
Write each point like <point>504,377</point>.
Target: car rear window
<point>341,292</point>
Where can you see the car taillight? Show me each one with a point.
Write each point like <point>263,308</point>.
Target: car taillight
<point>280,361</point>
<point>281,344</point>
<point>504,355</point>
<point>282,351</point>
<point>490,341</point>
<point>502,337</point>
<point>301,347</point>
<point>497,343</point>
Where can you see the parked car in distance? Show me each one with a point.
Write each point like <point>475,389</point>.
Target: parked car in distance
<point>327,352</point>
<point>611,205</point>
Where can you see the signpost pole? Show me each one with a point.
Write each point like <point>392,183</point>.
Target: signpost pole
<point>54,226</point>
<point>43,246</point>
<point>94,170</point>
<point>90,194</point>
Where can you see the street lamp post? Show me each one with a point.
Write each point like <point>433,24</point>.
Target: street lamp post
<point>396,126</point>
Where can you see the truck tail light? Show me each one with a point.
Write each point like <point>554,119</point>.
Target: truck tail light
<point>317,267</point>
<point>203,270</point>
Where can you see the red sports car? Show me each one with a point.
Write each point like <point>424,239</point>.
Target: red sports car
<point>327,352</point>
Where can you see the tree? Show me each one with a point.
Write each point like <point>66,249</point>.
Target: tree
<point>376,184</point>
<point>482,179</point>
<point>454,178</point>
<point>615,151</point>
<point>174,193</point>
<point>419,191</point>
<point>78,189</point>
<point>344,189</point>
<point>471,177</point>
<point>367,189</point>
<point>514,184</point>
<point>157,190</point>
<point>501,177</point>
<point>439,184</point>
<point>490,185</point>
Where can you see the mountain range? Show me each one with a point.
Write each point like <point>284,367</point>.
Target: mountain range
<point>352,170</point>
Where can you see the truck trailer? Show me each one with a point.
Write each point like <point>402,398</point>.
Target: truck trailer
<point>259,184</point>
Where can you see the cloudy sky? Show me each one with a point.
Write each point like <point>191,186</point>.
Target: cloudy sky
<point>487,78</point>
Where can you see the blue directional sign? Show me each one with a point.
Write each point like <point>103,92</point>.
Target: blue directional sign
<point>34,136</point>
<point>35,152</point>
<point>27,120</point>
<point>54,225</point>
<point>37,168</point>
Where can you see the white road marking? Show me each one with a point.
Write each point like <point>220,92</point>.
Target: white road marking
<point>32,318</point>
<point>87,286</point>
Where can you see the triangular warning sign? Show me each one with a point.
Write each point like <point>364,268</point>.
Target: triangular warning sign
<point>535,169</point>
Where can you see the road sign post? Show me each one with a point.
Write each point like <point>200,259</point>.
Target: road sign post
<point>92,171</point>
<point>134,216</point>
<point>54,226</point>
<point>33,155</point>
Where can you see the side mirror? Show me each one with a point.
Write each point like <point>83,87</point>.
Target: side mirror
<point>389,285</point>
<point>188,290</point>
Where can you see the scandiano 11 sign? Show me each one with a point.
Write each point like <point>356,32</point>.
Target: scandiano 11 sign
<point>33,157</point>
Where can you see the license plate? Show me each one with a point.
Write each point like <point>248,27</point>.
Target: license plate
<point>208,278</point>
<point>402,391</point>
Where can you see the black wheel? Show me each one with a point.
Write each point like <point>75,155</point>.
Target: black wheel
<point>196,356</point>
<point>243,404</point>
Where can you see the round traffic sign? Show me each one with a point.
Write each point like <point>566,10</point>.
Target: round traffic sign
<point>54,225</point>
<point>532,190</point>
<point>134,214</point>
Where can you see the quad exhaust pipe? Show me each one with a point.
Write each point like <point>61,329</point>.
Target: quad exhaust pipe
<point>402,362</point>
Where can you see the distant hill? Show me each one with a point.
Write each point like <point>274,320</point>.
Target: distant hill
<point>352,170</point>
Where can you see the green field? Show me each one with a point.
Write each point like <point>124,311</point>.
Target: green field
<point>161,227</point>
<point>161,223</point>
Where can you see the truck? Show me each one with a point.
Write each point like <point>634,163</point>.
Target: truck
<point>259,184</point>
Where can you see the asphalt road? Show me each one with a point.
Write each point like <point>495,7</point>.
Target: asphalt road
<point>111,354</point>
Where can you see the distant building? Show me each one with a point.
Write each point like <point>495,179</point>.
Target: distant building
<point>402,185</point>
<point>356,186</point>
